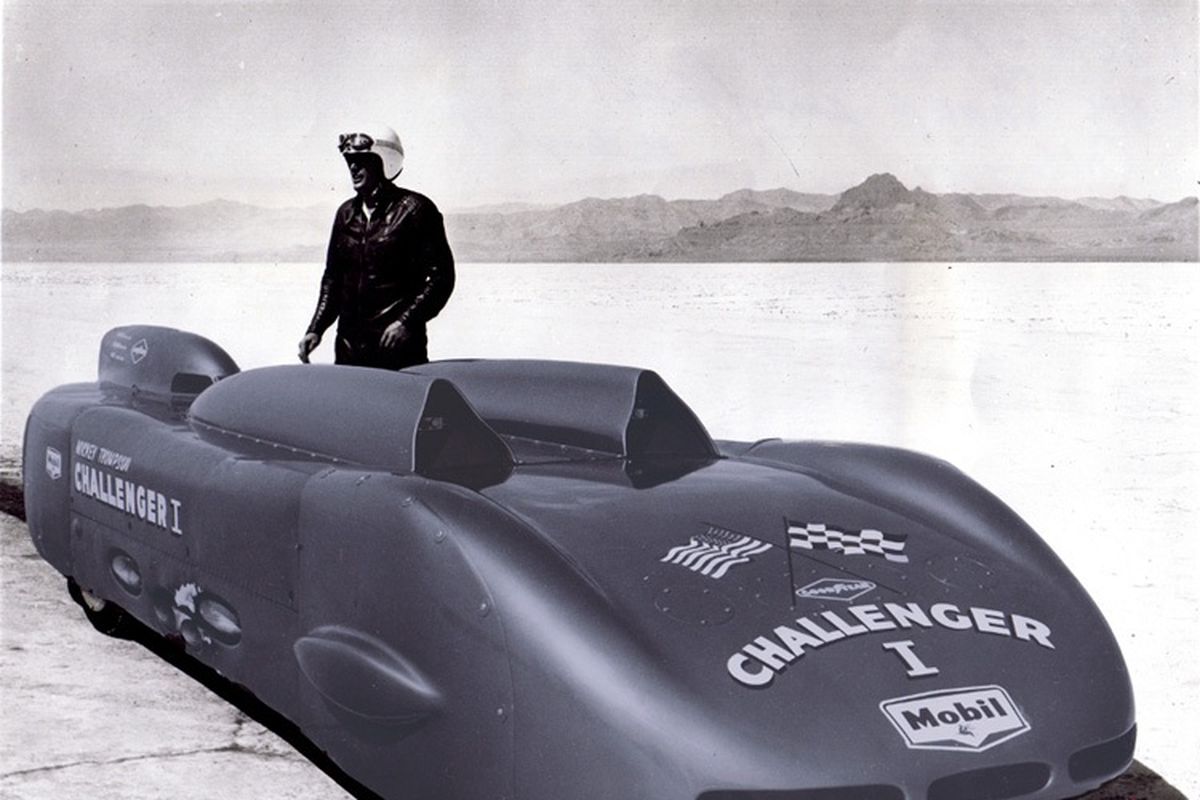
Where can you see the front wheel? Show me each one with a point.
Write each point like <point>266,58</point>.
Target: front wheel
<point>105,616</point>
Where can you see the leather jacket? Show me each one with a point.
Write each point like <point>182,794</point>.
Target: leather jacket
<point>394,266</point>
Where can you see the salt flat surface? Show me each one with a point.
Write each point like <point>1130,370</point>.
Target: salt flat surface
<point>1068,390</point>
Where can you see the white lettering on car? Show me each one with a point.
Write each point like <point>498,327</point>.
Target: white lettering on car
<point>974,718</point>
<point>129,497</point>
<point>787,643</point>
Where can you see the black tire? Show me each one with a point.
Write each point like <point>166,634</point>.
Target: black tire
<point>105,616</point>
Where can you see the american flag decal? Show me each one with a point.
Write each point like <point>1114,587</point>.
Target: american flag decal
<point>868,542</point>
<point>715,552</point>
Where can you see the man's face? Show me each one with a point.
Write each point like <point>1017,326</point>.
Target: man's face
<point>366,172</point>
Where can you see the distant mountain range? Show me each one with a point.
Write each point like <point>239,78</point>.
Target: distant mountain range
<point>878,220</point>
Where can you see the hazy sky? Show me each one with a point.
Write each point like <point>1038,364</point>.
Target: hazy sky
<point>111,103</point>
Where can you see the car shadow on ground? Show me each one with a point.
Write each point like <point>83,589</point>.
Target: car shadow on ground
<point>171,650</point>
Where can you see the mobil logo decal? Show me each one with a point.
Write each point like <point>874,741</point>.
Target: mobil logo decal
<point>975,718</point>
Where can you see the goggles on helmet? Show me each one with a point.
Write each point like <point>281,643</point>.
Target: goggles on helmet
<point>355,143</point>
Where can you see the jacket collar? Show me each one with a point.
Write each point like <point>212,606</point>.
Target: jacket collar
<point>387,194</point>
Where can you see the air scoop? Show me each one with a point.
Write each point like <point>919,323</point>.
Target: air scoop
<point>157,364</point>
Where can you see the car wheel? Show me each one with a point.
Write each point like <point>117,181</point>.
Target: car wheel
<point>105,616</point>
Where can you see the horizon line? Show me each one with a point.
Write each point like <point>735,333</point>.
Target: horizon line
<point>533,205</point>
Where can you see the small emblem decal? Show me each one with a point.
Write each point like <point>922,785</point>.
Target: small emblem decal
<point>835,589</point>
<point>975,718</point>
<point>715,551</point>
<point>53,463</point>
<point>817,536</point>
<point>138,351</point>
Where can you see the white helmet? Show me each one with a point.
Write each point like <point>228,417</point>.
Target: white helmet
<point>378,139</point>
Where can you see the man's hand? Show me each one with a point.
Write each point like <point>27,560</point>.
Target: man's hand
<point>393,335</point>
<point>308,344</point>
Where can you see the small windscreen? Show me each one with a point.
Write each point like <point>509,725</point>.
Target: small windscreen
<point>367,417</point>
<point>620,411</point>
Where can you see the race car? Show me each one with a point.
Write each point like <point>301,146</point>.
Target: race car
<point>545,580</point>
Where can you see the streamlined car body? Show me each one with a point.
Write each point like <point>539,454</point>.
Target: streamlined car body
<point>544,580</point>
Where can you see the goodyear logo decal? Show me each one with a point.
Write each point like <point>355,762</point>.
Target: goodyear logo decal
<point>835,589</point>
<point>975,718</point>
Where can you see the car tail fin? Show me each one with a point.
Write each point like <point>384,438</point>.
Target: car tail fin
<point>162,365</point>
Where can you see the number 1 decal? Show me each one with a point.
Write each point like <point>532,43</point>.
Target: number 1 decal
<point>916,668</point>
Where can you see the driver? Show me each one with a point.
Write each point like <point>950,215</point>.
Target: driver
<point>389,269</point>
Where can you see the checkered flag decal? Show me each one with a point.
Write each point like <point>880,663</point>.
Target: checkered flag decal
<point>815,536</point>
<point>715,552</point>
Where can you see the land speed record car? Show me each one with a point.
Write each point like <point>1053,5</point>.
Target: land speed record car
<point>544,580</point>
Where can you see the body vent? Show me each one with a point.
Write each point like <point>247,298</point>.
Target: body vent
<point>1103,760</point>
<point>877,792</point>
<point>992,783</point>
